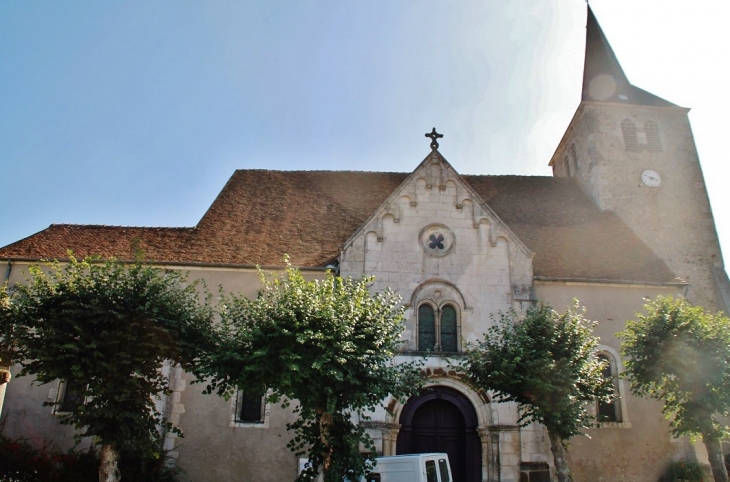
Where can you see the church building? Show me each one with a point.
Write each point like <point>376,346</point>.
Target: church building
<point>624,217</point>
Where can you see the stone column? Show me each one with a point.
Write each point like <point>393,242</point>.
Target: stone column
<point>490,454</point>
<point>390,439</point>
<point>504,461</point>
<point>384,435</point>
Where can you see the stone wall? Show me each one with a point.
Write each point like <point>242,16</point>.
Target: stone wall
<point>211,449</point>
<point>638,447</point>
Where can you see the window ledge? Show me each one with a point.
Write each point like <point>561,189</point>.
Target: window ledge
<point>264,424</point>
<point>443,354</point>
<point>614,424</point>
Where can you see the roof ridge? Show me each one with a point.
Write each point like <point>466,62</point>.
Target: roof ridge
<point>327,171</point>
<point>319,171</point>
<point>115,226</point>
<point>516,176</point>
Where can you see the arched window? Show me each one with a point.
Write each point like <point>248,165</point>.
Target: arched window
<point>567,167</point>
<point>628,128</point>
<point>449,329</point>
<point>437,316</point>
<point>653,142</point>
<point>426,328</point>
<point>609,411</point>
<point>438,329</point>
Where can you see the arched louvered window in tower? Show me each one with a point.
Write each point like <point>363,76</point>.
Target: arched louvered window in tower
<point>426,328</point>
<point>628,128</point>
<point>653,142</point>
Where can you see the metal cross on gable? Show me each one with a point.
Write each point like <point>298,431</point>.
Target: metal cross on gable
<point>434,135</point>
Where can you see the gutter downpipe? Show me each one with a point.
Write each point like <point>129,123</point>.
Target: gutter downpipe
<point>5,365</point>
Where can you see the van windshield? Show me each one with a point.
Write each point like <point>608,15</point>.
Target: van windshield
<point>444,469</point>
<point>431,471</point>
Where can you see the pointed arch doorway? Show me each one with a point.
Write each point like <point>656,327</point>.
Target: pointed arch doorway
<point>443,420</point>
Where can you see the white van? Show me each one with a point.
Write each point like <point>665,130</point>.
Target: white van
<point>411,468</point>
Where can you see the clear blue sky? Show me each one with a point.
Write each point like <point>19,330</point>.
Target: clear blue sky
<point>136,112</point>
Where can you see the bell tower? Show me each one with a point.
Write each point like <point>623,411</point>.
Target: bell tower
<point>634,154</point>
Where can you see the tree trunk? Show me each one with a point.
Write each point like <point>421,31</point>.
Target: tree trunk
<point>4,379</point>
<point>109,464</point>
<point>561,462</point>
<point>326,420</point>
<point>717,461</point>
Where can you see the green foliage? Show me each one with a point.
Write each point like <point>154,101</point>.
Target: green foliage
<point>329,345</point>
<point>108,326</point>
<point>683,471</point>
<point>21,461</point>
<point>680,354</point>
<point>546,363</point>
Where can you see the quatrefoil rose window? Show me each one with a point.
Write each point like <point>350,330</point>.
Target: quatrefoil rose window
<point>437,240</point>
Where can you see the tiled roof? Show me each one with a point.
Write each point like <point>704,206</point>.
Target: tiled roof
<point>570,235</point>
<point>163,244</point>
<point>261,215</point>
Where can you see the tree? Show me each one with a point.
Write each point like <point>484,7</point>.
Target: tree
<point>4,336</point>
<point>326,344</point>
<point>4,341</point>
<point>545,362</point>
<point>680,354</point>
<point>109,327</point>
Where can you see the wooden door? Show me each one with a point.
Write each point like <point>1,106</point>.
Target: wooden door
<point>443,420</point>
<point>438,426</point>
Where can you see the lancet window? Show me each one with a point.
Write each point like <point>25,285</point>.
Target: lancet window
<point>438,328</point>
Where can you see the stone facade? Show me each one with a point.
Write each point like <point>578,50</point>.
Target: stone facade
<point>481,267</point>
<point>457,249</point>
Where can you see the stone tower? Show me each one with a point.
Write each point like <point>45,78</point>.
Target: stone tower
<point>634,154</point>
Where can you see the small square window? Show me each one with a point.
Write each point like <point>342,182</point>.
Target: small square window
<point>69,398</point>
<point>249,409</point>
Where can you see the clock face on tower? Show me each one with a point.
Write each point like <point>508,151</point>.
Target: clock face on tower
<point>651,178</point>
